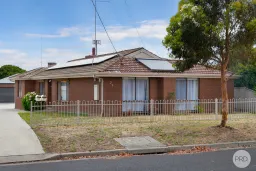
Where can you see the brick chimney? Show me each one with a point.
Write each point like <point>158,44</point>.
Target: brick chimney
<point>51,64</point>
<point>93,51</point>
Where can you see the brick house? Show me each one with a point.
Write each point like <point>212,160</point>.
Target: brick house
<point>129,75</point>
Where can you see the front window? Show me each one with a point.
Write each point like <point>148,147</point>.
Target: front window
<point>186,89</point>
<point>41,88</point>
<point>19,89</point>
<point>135,89</point>
<point>63,90</point>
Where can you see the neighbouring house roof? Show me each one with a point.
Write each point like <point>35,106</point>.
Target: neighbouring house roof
<point>6,81</point>
<point>121,64</point>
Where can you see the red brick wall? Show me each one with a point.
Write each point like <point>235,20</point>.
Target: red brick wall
<point>155,89</point>
<point>159,88</point>
<point>113,89</point>
<point>16,98</point>
<point>210,88</point>
<point>169,86</point>
<point>27,86</point>
<point>54,90</point>
<point>80,89</point>
<point>37,89</point>
<point>7,85</point>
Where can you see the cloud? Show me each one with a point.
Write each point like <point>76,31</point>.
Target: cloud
<point>60,55</point>
<point>16,57</point>
<point>28,61</point>
<point>147,29</point>
<point>64,32</point>
<point>123,37</point>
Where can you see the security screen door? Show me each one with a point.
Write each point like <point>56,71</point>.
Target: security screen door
<point>135,93</point>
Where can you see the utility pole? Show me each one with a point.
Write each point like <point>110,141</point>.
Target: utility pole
<point>95,41</point>
<point>41,52</point>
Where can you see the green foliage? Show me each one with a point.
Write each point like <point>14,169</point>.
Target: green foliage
<point>247,74</point>
<point>8,70</point>
<point>171,95</point>
<point>26,100</point>
<point>207,32</point>
<point>199,109</point>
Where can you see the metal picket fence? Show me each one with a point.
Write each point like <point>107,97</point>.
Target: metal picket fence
<point>108,112</point>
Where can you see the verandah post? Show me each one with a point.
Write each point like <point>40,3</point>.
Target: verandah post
<point>216,109</point>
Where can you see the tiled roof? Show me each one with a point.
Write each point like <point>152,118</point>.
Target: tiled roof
<point>127,64</point>
<point>29,74</point>
<point>121,53</point>
<point>124,63</point>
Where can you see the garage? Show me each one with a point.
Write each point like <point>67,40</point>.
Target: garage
<point>6,91</point>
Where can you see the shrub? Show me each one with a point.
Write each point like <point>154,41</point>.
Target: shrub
<point>26,100</point>
<point>199,109</point>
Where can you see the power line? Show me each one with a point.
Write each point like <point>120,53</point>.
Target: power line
<point>104,26</point>
<point>129,14</point>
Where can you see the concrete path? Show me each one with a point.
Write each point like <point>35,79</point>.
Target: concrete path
<point>144,142</point>
<point>16,136</point>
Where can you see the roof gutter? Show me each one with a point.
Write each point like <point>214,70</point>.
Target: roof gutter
<point>118,74</point>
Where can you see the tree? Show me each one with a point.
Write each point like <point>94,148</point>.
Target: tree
<point>207,32</point>
<point>8,70</point>
<point>247,72</point>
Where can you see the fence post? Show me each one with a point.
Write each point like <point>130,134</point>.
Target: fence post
<point>78,111</point>
<point>151,107</point>
<point>31,111</point>
<point>216,109</point>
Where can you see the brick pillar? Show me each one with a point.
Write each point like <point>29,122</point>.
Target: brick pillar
<point>54,90</point>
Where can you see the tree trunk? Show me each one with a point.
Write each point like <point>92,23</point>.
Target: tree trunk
<point>224,95</point>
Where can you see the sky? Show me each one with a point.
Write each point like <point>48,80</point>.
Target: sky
<point>61,30</point>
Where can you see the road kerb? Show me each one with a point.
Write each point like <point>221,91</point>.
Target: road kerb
<point>104,153</point>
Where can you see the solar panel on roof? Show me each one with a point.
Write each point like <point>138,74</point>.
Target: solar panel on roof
<point>83,62</point>
<point>156,64</point>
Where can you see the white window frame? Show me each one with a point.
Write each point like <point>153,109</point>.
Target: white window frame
<point>96,92</point>
<point>42,83</point>
<point>60,97</point>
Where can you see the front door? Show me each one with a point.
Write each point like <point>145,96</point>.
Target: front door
<point>135,94</point>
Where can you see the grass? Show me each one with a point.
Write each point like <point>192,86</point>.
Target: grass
<point>25,116</point>
<point>100,137</point>
<point>99,133</point>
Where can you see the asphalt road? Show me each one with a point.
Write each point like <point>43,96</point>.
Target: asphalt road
<point>212,161</point>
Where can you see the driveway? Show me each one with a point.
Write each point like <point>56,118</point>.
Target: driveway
<point>16,136</point>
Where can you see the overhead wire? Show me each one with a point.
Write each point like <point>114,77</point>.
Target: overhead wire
<point>129,14</point>
<point>104,26</point>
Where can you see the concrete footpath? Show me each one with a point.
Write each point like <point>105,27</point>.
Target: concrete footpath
<point>16,136</point>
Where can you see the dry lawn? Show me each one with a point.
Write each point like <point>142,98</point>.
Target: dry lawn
<point>93,137</point>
